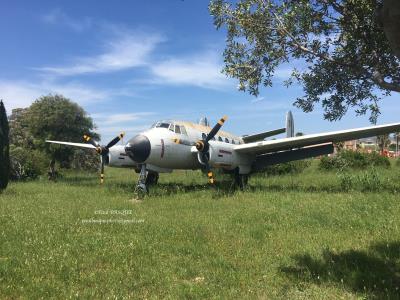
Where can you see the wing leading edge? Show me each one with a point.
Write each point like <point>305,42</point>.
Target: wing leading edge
<point>72,144</point>
<point>314,139</point>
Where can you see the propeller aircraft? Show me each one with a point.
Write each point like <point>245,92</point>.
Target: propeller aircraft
<point>171,144</point>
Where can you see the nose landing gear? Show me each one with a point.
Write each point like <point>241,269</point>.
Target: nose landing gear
<point>146,178</point>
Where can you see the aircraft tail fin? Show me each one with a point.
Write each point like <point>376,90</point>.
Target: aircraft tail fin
<point>204,121</point>
<point>289,124</point>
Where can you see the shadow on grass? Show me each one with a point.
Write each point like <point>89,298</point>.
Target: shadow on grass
<point>294,187</point>
<point>375,272</point>
<point>221,189</point>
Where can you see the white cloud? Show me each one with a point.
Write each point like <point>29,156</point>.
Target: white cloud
<point>22,93</point>
<point>258,99</point>
<point>111,119</point>
<point>123,52</point>
<point>58,17</point>
<point>203,70</point>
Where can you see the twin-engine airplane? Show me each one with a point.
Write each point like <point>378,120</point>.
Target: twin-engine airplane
<point>173,144</point>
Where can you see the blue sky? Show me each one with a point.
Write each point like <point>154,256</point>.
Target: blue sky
<point>130,63</point>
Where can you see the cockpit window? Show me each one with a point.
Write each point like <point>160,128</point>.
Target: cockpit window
<point>163,125</point>
<point>226,140</point>
<point>203,136</point>
<point>220,139</point>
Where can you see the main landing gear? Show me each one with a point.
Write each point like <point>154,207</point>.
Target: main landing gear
<point>146,178</point>
<point>240,180</point>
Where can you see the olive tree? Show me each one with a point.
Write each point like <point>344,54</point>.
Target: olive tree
<point>348,50</point>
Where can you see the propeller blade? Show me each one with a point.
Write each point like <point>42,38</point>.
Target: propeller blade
<point>115,140</point>
<point>210,176</point>
<point>89,140</point>
<point>102,171</point>
<point>216,128</point>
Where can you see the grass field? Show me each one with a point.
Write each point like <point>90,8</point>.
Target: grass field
<point>305,236</point>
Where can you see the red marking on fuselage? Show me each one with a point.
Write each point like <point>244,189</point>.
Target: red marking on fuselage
<point>162,148</point>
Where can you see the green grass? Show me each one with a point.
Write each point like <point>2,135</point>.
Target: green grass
<point>285,237</point>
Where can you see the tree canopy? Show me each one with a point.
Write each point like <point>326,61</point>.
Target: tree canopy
<point>55,117</point>
<point>4,148</point>
<point>346,49</point>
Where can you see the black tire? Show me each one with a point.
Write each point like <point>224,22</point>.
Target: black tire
<point>152,178</point>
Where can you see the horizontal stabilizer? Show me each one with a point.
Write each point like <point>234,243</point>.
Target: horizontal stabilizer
<point>81,145</point>
<point>262,135</point>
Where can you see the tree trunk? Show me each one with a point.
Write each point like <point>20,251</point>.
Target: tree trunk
<point>52,170</point>
<point>390,18</point>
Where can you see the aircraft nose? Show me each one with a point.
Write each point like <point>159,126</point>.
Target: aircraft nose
<point>138,148</point>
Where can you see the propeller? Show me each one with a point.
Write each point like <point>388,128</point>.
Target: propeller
<point>203,147</point>
<point>103,150</point>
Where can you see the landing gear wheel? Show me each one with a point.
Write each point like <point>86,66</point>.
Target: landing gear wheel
<point>141,191</point>
<point>240,180</point>
<point>152,178</point>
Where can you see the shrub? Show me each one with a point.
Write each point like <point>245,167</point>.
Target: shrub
<point>26,163</point>
<point>370,181</point>
<point>85,160</point>
<point>346,181</point>
<point>292,167</point>
<point>353,160</point>
<point>366,181</point>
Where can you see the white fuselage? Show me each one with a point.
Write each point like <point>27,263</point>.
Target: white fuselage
<point>167,154</point>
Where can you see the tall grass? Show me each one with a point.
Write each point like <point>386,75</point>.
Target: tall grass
<point>295,236</point>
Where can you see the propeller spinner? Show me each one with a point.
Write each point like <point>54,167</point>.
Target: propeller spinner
<point>103,150</point>
<point>203,147</point>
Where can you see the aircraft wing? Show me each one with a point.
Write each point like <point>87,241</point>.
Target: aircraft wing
<point>264,147</point>
<point>72,144</point>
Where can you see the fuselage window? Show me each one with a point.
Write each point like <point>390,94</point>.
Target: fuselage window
<point>233,141</point>
<point>226,140</point>
<point>183,130</point>
<point>177,129</point>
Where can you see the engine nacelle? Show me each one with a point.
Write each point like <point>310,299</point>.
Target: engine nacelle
<point>222,155</point>
<point>118,158</point>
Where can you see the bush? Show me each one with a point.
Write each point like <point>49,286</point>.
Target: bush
<point>26,163</point>
<point>293,167</point>
<point>353,160</point>
<point>85,160</point>
<point>367,181</point>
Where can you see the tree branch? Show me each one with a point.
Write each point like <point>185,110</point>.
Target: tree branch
<point>378,79</point>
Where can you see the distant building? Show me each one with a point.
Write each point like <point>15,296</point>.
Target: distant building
<point>369,145</point>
